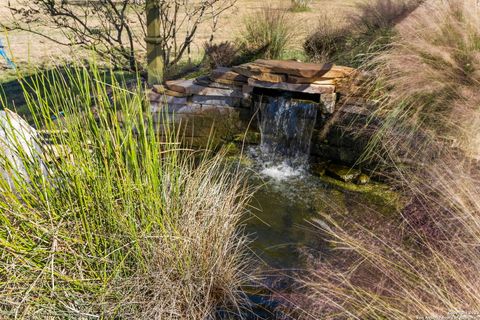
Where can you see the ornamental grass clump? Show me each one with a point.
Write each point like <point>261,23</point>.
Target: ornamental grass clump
<point>125,223</point>
<point>300,5</point>
<point>423,262</point>
<point>267,33</point>
<point>432,77</point>
<point>355,39</point>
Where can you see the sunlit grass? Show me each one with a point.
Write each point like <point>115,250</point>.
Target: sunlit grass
<point>126,223</point>
<point>426,262</point>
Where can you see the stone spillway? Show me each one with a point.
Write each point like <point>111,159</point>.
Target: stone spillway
<point>217,107</point>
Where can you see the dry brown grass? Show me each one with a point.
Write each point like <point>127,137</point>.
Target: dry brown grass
<point>427,263</point>
<point>432,76</point>
<point>27,47</point>
<point>268,32</point>
<point>126,224</point>
<point>380,14</point>
<point>352,38</point>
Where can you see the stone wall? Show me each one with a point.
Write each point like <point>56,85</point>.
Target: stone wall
<point>218,107</point>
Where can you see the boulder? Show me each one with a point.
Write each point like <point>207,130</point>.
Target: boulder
<point>19,148</point>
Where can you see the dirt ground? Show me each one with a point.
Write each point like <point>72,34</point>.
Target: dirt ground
<point>29,49</point>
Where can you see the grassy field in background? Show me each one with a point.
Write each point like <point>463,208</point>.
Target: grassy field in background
<point>28,48</point>
<point>33,52</point>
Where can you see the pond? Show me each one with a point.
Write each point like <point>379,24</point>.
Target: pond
<point>289,197</point>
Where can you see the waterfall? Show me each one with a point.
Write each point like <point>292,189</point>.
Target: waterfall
<point>286,126</point>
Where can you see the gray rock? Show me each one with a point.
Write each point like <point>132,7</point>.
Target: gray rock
<point>18,146</point>
<point>343,173</point>
<point>328,101</point>
<point>160,98</point>
<point>218,101</point>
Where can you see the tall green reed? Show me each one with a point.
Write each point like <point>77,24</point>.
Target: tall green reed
<point>126,222</point>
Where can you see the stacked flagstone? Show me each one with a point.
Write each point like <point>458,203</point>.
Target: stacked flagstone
<point>223,99</point>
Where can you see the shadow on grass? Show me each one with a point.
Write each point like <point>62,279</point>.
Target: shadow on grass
<point>13,91</point>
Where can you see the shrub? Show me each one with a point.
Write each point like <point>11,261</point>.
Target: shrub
<point>329,39</point>
<point>220,55</point>
<point>126,224</point>
<point>267,33</point>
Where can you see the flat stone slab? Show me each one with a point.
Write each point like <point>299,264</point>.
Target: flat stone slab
<point>218,101</point>
<point>179,85</point>
<point>160,89</point>
<point>320,81</point>
<point>191,108</point>
<point>305,88</point>
<point>189,87</point>
<point>270,77</point>
<point>229,82</point>
<point>310,71</point>
<point>249,69</point>
<point>227,74</point>
<point>292,71</point>
<point>303,70</point>
<point>205,81</point>
<point>164,98</point>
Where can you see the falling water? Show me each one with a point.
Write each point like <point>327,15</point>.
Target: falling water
<point>286,126</point>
